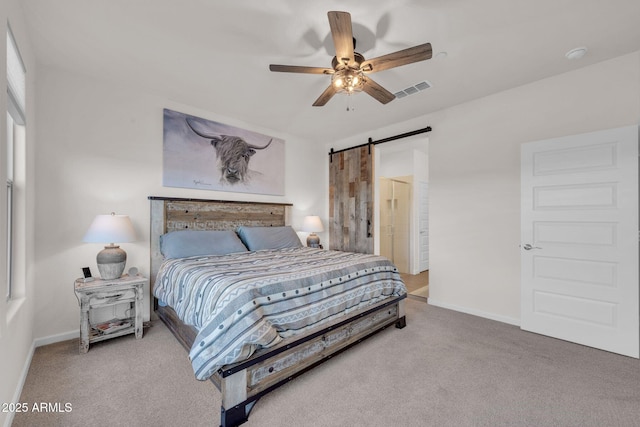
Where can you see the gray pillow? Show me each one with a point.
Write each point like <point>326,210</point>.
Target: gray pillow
<point>186,243</point>
<point>257,238</point>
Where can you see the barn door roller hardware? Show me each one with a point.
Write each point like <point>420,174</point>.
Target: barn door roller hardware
<point>380,141</point>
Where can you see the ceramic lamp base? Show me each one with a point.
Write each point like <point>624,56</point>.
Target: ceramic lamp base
<point>313,241</point>
<point>111,261</point>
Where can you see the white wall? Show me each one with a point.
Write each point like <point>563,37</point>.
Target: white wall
<point>394,163</point>
<point>474,155</point>
<point>17,316</point>
<point>101,151</point>
<point>474,175</point>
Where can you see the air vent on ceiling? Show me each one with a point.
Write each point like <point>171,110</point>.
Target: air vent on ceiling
<point>413,89</point>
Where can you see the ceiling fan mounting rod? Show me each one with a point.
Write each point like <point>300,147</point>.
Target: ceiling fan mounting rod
<point>347,63</point>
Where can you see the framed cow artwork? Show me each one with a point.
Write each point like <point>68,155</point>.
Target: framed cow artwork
<point>207,155</point>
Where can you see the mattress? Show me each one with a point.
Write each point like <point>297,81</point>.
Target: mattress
<point>245,301</point>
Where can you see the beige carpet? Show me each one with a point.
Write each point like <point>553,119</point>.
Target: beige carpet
<point>444,369</point>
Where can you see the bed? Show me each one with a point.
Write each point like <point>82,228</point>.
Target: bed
<point>287,307</point>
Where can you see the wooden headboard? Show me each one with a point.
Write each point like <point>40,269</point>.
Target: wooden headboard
<point>172,214</point>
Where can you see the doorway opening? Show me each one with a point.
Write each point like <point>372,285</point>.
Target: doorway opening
<point>401,199</point>
<point>395,204</point>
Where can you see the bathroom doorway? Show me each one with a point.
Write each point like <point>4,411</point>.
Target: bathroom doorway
<point>395,221</point>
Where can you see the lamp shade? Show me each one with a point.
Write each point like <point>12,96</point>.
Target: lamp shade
<point>312,224</point>
<point>110,229</point>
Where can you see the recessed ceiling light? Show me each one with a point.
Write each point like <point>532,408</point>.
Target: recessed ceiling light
<point>576,53</point>
<point>441,55</point>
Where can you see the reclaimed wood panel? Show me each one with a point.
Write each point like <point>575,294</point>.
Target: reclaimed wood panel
<point>265,374</point>
<point>196,215</point>
<point>351,177</point>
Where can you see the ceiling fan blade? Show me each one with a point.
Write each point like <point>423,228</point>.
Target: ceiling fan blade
<point>299,69</point>
<point>325,97</point>
<point>396,59</point>
<point>377,91</point>
<point>341,30</point>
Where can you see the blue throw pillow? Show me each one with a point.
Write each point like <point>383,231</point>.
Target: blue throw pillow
<point>258,238</point>
<point>183,244</point>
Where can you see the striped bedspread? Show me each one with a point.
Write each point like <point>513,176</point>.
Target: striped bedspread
<point>245,301</point>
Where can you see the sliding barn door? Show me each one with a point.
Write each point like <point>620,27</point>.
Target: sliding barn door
<point>351,200</point>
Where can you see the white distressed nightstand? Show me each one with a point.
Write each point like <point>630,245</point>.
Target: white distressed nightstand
<point>103,293</point>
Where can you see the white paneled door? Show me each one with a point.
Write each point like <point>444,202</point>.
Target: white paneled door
<point>579,242</point>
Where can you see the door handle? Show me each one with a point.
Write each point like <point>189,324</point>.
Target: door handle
<point>528,247</point>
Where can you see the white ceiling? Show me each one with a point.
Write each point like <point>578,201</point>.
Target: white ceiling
<point>214,55</point>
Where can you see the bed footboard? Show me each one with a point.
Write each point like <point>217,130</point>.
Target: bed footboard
<point>242,384</point>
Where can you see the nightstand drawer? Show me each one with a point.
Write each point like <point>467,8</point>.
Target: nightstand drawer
<point>102,299</point>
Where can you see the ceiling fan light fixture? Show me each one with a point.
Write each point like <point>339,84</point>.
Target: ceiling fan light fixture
<point>348,80</point>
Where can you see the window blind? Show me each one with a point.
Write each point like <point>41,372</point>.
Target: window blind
<point>16,80</point>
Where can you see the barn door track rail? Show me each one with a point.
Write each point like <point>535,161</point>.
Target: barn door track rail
<point>380,141</point>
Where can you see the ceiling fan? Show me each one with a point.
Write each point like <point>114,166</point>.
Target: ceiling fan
<point>350,70</point>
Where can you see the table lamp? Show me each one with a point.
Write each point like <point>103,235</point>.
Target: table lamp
<point>313,225</point>
<point>109,229</point>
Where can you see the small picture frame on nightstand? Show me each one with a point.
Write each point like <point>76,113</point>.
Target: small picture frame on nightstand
<point>86,272</point>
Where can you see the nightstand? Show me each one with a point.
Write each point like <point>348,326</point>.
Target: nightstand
<point>104,293</point>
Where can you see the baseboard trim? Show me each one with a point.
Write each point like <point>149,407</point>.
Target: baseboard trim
<point>20,386</point>
<point>38,342</point>
<point>52,339</point>
<point>474,312</point>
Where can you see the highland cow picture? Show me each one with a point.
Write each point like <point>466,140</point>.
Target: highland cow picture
<point>207,155</point>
